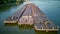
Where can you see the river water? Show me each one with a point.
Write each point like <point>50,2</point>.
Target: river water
<point>50,8</point>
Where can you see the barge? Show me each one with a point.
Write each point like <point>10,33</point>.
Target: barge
<point>41,21</point>
<point>26,18</point>
<point>15,17</point>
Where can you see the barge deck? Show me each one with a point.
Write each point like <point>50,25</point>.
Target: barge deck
<point>27,16</point>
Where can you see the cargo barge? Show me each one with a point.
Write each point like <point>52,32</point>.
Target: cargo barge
<point>30,14</point>
<point>41,21</point>
<point>15,17</point>
<point>26,18</point>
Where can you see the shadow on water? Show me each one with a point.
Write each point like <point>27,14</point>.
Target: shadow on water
<point>24,27</point>
<point>10,24</point>
<point>43,32</point>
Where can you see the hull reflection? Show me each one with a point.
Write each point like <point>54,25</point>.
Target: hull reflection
<point>25,27</point>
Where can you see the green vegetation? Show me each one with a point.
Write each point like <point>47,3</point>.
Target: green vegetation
<point>9,1</point>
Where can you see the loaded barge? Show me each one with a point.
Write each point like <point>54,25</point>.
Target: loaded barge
<point>26,18</point>
<point>15,17</point>
<point>30,14</point>
<point>41,21</point>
